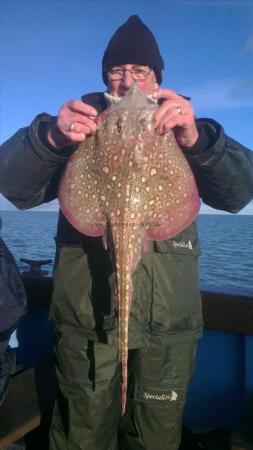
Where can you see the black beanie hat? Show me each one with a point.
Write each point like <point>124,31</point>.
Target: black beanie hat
<point>133,43</point>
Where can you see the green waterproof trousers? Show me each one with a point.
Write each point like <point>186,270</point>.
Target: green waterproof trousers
<point>87,413</point>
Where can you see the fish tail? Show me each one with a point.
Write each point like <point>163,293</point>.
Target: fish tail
<point>123,241</point>
<point>123,398</point>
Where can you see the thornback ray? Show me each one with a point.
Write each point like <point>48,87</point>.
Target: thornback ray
<point>129,185</point>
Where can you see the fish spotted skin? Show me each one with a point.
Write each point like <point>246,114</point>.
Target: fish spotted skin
<point>129,185</point>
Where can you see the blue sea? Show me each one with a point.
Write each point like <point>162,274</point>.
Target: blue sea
<point>226,244</point>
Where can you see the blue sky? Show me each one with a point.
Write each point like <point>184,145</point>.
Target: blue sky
<point>51,51</point>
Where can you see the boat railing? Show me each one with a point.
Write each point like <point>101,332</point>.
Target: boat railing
<point>226,313</point>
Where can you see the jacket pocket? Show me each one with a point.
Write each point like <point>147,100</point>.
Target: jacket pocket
<point>176,303</point>
<point>184,243</point>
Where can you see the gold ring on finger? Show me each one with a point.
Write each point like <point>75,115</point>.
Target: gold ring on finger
<point>71,127</point>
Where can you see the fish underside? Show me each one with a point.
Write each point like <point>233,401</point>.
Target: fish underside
<point>129,185</point>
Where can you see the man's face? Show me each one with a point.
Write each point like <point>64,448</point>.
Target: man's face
<point>118,88</point>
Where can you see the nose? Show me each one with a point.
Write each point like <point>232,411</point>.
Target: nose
<point>127,81</point>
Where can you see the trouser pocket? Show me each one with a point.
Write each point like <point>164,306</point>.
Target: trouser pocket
<point>158,383</point>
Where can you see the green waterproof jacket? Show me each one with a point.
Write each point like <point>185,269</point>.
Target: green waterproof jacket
<point>166,302</point>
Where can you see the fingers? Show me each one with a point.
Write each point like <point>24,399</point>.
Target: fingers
<point>80,124</point>
<point>169,120</point>
<point>76,120</point>
<point>175,113</point>
<point>165,94</point>
<point>171,114</point>
<point>77,106</point>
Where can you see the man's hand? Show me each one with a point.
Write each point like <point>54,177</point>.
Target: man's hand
<point>74,122</point>
<point>175,112</point>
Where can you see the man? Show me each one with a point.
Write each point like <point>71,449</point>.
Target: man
<point>165,320</point>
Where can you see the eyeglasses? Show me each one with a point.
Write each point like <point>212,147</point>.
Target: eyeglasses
<point>139,73</point>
